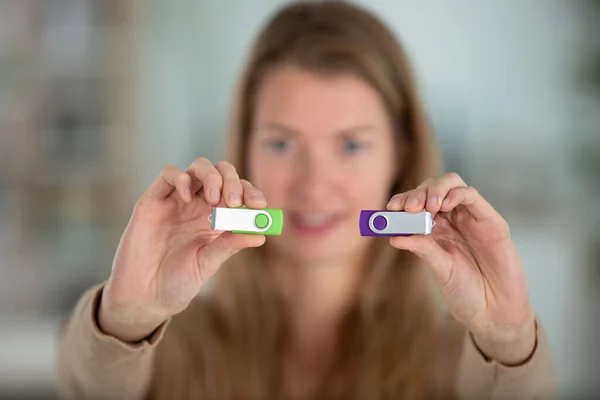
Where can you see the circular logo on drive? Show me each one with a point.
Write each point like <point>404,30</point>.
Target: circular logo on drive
<point>261,221</point>
<point>378,223</point>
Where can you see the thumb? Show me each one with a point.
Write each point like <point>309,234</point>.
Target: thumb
<point>222,248</point>
<point>424,246</point>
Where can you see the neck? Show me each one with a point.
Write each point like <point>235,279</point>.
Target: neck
<point>316,297</point>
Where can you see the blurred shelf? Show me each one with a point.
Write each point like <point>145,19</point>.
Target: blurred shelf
<point>27,354</point>
<point>66,124</point>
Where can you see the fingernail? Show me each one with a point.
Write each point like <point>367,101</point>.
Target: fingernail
<point>412,201</point>
<point>235,198</point>
<point>432,201</point>
<point>393,205</point>
<point>215,193</point>
<point>446,202</point>
<point>188,194</point>
<point>257,197</point>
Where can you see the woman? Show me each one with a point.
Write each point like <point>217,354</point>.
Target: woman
<point>328,122</point>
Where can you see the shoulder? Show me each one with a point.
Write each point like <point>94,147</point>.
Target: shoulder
<point>449,346</point>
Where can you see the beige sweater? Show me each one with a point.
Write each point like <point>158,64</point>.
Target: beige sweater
<point>93,365</point>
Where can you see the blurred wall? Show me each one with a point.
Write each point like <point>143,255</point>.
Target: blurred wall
<point>503,85</point>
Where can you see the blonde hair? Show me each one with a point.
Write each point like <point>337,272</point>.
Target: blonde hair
<point>385,344</point>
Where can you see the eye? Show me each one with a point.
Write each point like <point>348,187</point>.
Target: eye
<point>353,146</point>
<point>279,145</point>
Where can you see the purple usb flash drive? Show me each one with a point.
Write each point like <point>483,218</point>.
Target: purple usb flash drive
<point>394,223</point>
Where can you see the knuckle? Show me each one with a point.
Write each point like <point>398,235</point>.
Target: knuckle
<point>169,169</point>
<point>201,162</point>
<point>426,183</point>
<point>182,177</point>
<point>436,189</point>
<point>247,183</point>
<point>413,194</point>
<point>225,166</point>
<point>233,183</point>
<point>452,176</point>
<point>214,177</point>
<point>221,164</point>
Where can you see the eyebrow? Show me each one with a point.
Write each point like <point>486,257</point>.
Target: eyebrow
<point>277,127</point>
<point>282,128</point>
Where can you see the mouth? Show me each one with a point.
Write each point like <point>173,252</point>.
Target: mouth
<point>313,223</point>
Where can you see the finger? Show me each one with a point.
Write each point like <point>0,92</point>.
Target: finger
<point>232,187</point>
<point>415,202</point>
<point>398,201</point>
<point>437,191</point>
<point>224,247</point>
<point>427,248</point>
<point>417,198</point>
<point>252,196</point>
<point>453,179</point>
<point>170,179</point>
<point>205,176</point>
<point>468,196</point>
<point>184,183</point>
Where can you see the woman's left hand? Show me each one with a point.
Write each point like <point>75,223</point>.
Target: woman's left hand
<point>475,263</point>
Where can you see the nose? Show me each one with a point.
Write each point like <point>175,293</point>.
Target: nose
<point>314,174</point>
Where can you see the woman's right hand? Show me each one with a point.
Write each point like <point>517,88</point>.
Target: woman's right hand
<point>168,250</point>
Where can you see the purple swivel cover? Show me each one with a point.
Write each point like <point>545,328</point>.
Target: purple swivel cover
<point>379,223</point>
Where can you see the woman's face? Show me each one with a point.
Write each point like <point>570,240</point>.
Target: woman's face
<point>321,149</point>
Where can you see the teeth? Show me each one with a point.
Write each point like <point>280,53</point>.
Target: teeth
<point>314,219</point>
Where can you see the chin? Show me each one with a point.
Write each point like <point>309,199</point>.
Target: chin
<point>323,251</point>
<point>320,258</point>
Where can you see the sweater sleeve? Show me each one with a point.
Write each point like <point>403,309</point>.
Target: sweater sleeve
<point>94,365</point>
<point>481,378</point>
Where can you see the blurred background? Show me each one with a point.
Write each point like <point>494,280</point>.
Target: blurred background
<point>96,96</point>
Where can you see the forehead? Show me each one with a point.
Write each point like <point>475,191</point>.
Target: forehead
<point>314,104</point>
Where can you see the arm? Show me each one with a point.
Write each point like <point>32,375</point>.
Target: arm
<point>482,377</point>
<point>95,365</point>
<point>484,284</point>
<point>166,253</point>
<point>128,339</point>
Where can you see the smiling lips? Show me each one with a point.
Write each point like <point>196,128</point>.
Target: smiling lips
<point>313,223</point>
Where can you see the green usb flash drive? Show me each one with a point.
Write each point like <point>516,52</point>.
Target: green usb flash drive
<point>265,221</point>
